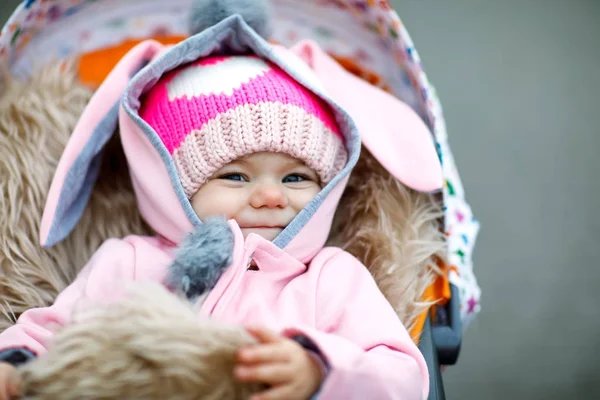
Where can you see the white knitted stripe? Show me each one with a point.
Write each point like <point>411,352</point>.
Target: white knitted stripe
<point>252,128</point>
<point>214,79</point>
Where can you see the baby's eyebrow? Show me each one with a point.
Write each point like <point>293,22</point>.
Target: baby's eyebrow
<point>299,164</point>
<point>295,163</point>
<point>239,161</point>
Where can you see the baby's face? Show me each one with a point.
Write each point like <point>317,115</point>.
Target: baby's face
<point>263,192</point>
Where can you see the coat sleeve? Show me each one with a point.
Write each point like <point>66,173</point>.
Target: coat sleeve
<point>367,351</point>
<point>112,262</point>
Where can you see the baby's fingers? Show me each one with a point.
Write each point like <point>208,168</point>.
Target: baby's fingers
<point>264,335</point>
<point>10,382</point>
<point>266,353</point>
<point>270,374</point>
<point>4,391</point>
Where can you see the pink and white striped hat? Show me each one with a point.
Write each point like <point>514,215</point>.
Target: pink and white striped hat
<point>213,111</point>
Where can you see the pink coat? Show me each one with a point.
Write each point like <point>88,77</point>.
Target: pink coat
<point>300,287</point>
<point>334,301</point>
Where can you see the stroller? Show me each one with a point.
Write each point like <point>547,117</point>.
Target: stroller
<point>365,36</point>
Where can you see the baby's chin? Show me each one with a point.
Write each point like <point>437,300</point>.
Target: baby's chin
<point>267,233</point>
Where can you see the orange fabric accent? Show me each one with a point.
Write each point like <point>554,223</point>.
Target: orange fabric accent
<point>355,68</point>
<point>95,66</point>
<point>439,293</point>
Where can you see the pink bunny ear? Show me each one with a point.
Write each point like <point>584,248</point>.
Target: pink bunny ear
<point>390,129</point>
<point>77,169</point>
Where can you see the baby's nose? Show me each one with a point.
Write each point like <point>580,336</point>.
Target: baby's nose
<point>269,195</point>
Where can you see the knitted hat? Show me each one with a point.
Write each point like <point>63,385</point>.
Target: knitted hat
<point>213,111</point>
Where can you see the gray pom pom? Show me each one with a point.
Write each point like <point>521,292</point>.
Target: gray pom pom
<point>201,258</point>
<point>207,13</point>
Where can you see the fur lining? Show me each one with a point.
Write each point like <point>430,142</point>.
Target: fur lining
<point>395,231</point>
<point>36,120</point>
<point>149,345</point>
<point>201,258</point>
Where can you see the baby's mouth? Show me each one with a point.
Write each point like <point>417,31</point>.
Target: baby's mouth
<point>267,232</point>
<point>261,226</point>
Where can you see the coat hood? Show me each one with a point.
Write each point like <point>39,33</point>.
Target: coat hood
<point>394,134</point>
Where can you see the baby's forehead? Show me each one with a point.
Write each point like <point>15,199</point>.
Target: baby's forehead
<point>270,158</point>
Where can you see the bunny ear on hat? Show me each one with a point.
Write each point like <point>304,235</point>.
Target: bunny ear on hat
<point>391,130</point>
<point>79,165</point>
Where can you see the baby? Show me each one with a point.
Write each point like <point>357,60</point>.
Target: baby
<point>237,136</point>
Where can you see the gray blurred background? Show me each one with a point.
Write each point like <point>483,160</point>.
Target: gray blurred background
<point>519,82</point>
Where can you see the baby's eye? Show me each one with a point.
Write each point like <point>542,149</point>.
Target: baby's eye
<point>293,178</point>
<point>234,177</point>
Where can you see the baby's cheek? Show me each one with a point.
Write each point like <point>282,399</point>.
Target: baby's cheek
<point>306,196</point>
<point>227,206</point>
<point>206,206</point>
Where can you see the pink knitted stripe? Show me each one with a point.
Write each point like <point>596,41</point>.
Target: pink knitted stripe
<point>158,111</point>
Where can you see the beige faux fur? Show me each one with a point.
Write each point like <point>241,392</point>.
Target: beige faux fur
<point>36,120</point>
<point>147,346</point>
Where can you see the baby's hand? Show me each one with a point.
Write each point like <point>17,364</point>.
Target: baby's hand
<point>9,382</point>
<point>281,363</point>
